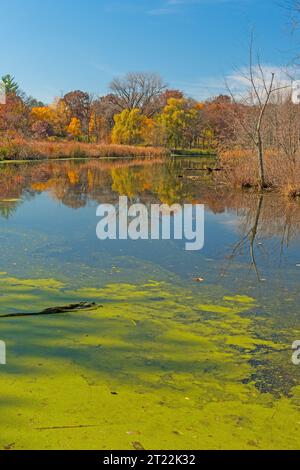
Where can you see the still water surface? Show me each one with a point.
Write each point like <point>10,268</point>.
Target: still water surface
<point>161,361</point>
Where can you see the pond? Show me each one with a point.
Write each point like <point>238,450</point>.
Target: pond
<point>182,349</point>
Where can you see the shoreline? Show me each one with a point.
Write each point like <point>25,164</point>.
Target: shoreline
<point>70,159</point>
<point>29,150</point>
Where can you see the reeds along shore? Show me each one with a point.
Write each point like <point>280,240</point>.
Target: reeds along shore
<point>21,149</point>
<point>240,170</point>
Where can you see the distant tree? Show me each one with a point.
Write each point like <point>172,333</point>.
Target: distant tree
<point>179,121</point>
<point>129,127</point>
<point>11,86</point>
<point>104,110</point>
<point>218,113</point>
<point>33,102</point>
<point>79,104</point>
<point>62,116</point>
<point>138,91</point>
<point>167,94</point>
<point>14,116</point>
<point>74,129</point>
<point>56,115</point>
<point>41,130</point>
<point>93,126</point>
<point>43,114</point>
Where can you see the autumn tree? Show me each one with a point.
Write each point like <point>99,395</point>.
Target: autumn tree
<point>168,94</point>
<point>57,116</point>
<point>61,116</point>
<point>218,114</point>
<point>129,127</point>
<point>41,129</point>
<point>79,105</point>
<point>42,114</point>
<point>179,121</point>
<point>94,125</point>
<point>103,110</point>
<point>74,129</point>
<point>14,115</point>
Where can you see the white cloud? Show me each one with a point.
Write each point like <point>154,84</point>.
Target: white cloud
<point>238,81</point>
<point>208,87</point>
<point>202,88</point>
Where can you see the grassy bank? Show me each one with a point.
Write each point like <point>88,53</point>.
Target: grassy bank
<point>240,170</point>
<point>19,149</point>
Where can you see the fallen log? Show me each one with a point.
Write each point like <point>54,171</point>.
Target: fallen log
<point>54,310</point>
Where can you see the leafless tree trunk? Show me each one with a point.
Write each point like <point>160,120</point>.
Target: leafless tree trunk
<point>258,97</point>
<point>138,90</point>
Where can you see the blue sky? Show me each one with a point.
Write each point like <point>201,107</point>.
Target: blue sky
<point>54,46</point>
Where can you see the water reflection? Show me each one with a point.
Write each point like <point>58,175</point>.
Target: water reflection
<point>75,183</point>
<point>242,227</point>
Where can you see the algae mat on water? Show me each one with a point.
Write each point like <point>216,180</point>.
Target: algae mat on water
<point>158,364</point>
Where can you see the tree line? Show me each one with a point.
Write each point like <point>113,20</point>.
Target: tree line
<point>261,126</point>
<point>139,110</point>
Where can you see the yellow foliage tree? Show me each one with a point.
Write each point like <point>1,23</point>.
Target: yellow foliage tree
<point>148,131</point>
<point>42,113</point>
<point>62,116</point>
<point>74,128</point>
<point>57,114</point>
<point>178,120</point>
<point>95,126</point>
<point>92,125</point>
<point>130,127</point>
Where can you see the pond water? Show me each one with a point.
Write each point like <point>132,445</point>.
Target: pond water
<point>161,361</point>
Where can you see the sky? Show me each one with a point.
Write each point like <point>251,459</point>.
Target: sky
<point>55,46</point>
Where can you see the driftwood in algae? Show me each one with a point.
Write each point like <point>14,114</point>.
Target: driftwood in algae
<point>55,310</point>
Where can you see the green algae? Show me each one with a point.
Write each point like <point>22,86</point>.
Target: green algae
<point>150,363</point>
<point>243,299</point>
<point>218,309</point>
<point>165,362</point>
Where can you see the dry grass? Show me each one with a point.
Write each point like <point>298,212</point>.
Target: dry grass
<point>21,149</point>
<point>241,170</point>
<point>291,190</point>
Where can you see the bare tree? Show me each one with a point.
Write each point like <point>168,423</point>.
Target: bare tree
<point>284,126</point>
<point>138,90</point>
<point>293,6</point>
<point>260,89</point>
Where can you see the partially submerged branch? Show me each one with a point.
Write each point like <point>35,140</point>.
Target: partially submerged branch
<point>55,310</point>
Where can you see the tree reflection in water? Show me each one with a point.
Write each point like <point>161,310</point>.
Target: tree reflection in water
<point>75,183</point>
